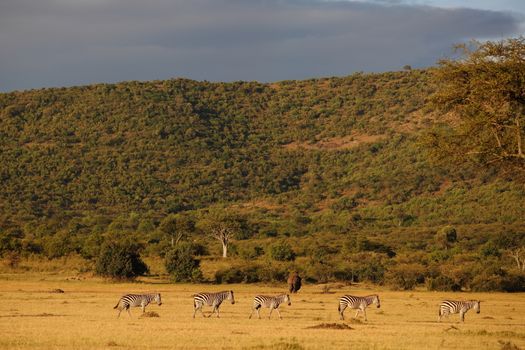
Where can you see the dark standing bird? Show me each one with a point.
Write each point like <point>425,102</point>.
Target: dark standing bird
<point>294,282</point>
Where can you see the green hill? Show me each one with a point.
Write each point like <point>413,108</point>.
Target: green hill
<point>322,162</point>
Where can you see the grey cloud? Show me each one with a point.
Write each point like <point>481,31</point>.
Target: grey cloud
<point>59,42</point>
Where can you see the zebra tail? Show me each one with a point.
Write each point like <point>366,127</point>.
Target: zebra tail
<point>339,307</point>
<point>116,305</point>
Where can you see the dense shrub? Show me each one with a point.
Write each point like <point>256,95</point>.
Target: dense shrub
<point>513,283</point>
<point>443,284</point>
<point>446,236</point>
<point>282,251</point>
<point>251,273</point>
<point>120,260</point>
<point>181,265</point>
<point>405,276</point>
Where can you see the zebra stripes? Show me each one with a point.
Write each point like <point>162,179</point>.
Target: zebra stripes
<point>448,307</point>
<point>211,299</point>
<point>136,300</point>
<point>271,302</point>
<point>359,303</point>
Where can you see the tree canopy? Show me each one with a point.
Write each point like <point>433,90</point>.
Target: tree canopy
<point>483,92</point>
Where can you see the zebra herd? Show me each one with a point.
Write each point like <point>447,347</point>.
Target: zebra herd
<point>446,308</point>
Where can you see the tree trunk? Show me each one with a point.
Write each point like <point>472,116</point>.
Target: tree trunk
<point>224,250</point>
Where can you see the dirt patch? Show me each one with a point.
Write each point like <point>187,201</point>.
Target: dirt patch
<point>58,290</point>
<point>336,143</point>
<point>331,326</point>
<point>149,314</point>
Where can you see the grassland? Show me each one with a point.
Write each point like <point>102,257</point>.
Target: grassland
<point>33,317</point>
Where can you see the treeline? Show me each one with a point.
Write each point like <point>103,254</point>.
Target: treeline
<point>325,176</point>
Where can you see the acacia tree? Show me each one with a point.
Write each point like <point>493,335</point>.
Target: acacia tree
<point>222,226</point>
<point>518,254</point>
<point>177,227</point>
<point>481,95</point>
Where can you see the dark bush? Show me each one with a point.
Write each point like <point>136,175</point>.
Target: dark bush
<point>514,283</point>
<point>405,276</point>
<point>443,284</point>
<point>251,273</point>
<point>373,272</point>
<point>120,260</point>
<point>181,264</point>
<point>237,274</point>
<point>282,251</point>
<point>251,252</point>
<point>446,236</point>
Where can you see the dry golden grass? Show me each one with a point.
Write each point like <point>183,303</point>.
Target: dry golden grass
<point>32,317</point>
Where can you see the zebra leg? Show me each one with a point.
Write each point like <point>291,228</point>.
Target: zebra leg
<point>279,312</point>
<point>271,310</point>
<point>258,314</point>
<point>341,310</point>
<point>218,312</point>
<point>119,311</point>
<point>357,313</point>
<point>251,313</point>
<point>364,312</point>
<point>462,316</point>
<point>212,311</point>
<point>195,308</point>
<point>129,313</point>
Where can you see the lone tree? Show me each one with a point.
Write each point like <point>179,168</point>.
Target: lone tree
<point>177,227</point>
<point>482,94</point>
<point>223,226</point>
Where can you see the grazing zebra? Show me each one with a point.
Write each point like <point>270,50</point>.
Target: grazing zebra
<point>448,307</point>
<point>359,303</point>
<point>211,299</point>
<point>136,300</point>
<point>270,302</point>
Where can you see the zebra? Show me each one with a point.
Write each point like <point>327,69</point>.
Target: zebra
<point>271,302</point>
<point>211,299</point>
<point>448,307</point>
<point>136,300</point>
<point>359,303</point>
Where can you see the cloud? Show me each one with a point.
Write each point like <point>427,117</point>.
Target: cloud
<point>59,42</point>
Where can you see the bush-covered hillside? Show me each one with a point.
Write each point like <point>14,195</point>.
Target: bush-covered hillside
<point>332,167</point>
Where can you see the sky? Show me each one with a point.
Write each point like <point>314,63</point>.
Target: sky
<point>55,43</point>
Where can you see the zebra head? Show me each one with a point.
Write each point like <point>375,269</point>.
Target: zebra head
<point>287,300</point>
<point>376,301</point>
<point>230,296</point>
<point>477,305</point>
<point>157,299</point>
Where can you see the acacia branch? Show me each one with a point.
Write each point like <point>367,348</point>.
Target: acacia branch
<point>518,136</point>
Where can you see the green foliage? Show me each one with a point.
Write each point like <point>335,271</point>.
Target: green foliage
<point>446,236</point>
<point>282,251</point>
<point>181,265</point>
<point>250,273</point>
<point>120,260</point>
<point>405,276</point>
<point>443,284</point>
<point>484,89</point>
<point>334,167</point>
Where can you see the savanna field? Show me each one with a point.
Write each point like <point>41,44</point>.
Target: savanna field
<point>409,185</point>
<point>33,316</point>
